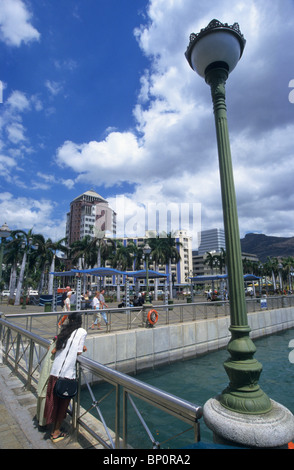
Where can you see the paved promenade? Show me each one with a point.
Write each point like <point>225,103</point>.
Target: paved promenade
<point>17,409</point>
<point>19,428</point>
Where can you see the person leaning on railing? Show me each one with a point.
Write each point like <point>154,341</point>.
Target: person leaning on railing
<point>69,344</point>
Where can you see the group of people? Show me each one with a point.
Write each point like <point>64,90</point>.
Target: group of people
<point>98,303</point>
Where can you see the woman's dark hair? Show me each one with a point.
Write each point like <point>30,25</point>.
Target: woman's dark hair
<point>74,322</point>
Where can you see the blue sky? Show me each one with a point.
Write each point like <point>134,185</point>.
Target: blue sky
<point>97,94</point>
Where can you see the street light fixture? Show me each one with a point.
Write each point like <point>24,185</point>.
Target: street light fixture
<point>147,251</point>
<point>213,54</point>
<point>4,233</point>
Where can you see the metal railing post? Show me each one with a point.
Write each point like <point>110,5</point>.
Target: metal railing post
<point>17,351</point>
<point>30,366</point>
<point>117,416</point>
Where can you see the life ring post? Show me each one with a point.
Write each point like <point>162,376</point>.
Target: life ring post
<point>152,318</point>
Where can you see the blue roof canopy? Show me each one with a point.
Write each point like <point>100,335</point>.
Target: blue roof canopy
<point>142,274</point>
<point>217,277</point>
<point>111,272</point>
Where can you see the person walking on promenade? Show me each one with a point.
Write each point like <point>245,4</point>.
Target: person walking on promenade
<point>97,315</point>
<point>66,308</point>
<point>64,296</point>
<point>103,305</point>
<point>69,344</point>
<point>87,300</point>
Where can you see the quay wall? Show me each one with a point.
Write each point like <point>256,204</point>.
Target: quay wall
<point>144,348</point>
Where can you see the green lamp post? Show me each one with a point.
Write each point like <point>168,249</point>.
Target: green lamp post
<point>213,54</point>
<point>4,233</point>
<point>146,252</point>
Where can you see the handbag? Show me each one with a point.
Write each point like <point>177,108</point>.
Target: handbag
<point>64,387</point>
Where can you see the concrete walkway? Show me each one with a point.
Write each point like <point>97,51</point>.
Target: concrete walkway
<point>19,428</point>
<point>17,409</point>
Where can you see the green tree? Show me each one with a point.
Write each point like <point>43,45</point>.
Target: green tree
<point>158,257</point>
<point>12,258</point>
<point>170,248</point>
<point>122,259</point>
<point>27,240</point>
<point>288,265</point>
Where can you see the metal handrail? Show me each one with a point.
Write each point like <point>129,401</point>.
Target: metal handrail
<point>171,404</point>
<point>134,317</point>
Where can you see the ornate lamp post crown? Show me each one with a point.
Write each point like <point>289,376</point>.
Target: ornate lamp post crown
<point>217,44</point>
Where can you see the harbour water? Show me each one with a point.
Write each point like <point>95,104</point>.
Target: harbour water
<point>197,380</point>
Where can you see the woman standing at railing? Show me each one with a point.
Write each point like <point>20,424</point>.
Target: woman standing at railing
<point>69,344</point>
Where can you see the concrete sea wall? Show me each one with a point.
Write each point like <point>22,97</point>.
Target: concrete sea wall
<point>140,349</point>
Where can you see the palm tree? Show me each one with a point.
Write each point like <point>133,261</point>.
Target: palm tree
<point>221,260</point>
<point>46,258</point>
<point>12,257</point>
<point>53,248</point>
<point>171,253</point>
<point>158,256</point>
<point>272,265</point>
<point>288,264</point>
<point>27,240</point>
<point>122,259</point>
<point>211,260</point>
<point>86,250</point>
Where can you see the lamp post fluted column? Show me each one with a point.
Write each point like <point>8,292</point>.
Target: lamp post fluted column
<point>243,393</point>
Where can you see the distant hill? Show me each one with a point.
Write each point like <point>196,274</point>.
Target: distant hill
<point>264,246</point>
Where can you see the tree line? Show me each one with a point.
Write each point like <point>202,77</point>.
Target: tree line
<point>278,270</point>
<point>29,258</point>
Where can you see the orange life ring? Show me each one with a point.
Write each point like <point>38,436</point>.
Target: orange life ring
<point>291,445</point>
<point>152,316</point>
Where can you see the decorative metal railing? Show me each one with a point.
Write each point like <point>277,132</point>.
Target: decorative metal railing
<point>133,317</point>
<point>24,351</point>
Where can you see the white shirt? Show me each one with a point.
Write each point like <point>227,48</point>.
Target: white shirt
<point>67,304</point>
<point>68,369</point>
<point>96,303</point>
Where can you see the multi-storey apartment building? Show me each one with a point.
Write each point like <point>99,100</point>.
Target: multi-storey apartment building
<point>90,214</point>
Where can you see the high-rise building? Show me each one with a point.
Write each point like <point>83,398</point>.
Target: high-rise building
<point>211,240</point>
<point>90,214</point>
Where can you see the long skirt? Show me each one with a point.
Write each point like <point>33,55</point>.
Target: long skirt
<point>55,407</point>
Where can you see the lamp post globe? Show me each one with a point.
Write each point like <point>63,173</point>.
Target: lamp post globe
<point>217,45</point>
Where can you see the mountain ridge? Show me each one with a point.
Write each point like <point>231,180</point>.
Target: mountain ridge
<point>265,245</point>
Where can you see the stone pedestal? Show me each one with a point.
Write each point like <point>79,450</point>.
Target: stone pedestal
<point>274,429</point>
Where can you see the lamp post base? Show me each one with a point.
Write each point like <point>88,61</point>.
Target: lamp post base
<point>274,429</point>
